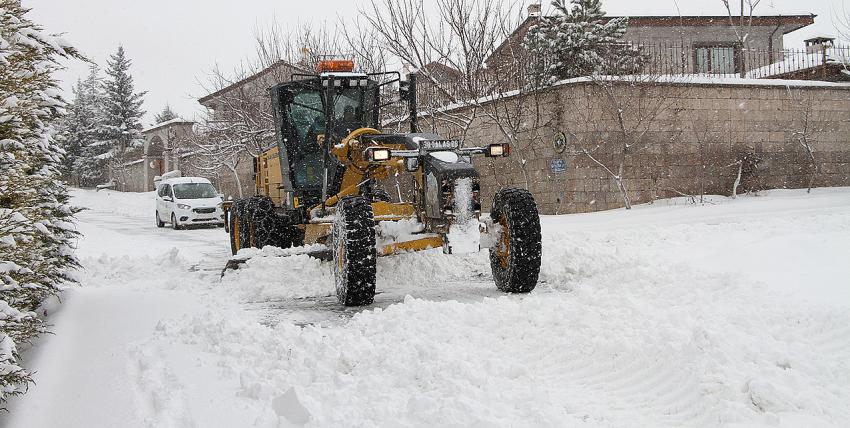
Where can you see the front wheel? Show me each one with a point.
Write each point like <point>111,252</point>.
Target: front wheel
<point>174,224</point>
<point>515,259</point>
<point>354,255</point>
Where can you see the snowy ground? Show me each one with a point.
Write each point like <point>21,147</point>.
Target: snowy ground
<point>730,314</point>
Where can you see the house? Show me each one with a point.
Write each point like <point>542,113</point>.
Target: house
<point>685,44</point>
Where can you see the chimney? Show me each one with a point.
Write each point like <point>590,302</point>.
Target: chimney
<point>819,44</point>
<point>534,10</point>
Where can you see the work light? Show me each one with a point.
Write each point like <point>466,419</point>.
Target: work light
<point>498,150</point>
<point>377,154</point>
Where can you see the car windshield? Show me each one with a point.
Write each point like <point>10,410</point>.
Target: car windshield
<point>194,191</point>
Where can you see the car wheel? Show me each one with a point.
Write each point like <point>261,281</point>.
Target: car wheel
<point>159,223</point>
<point>174,223</point>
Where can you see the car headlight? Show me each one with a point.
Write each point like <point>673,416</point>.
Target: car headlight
<point>184,207</point>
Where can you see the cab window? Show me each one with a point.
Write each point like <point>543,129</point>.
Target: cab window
<point>308,122</point>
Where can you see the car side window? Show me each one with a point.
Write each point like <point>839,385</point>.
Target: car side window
<point>166,190</point>
<point>161,191</point>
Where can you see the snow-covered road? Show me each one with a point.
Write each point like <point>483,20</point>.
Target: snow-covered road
<point>730,314</point>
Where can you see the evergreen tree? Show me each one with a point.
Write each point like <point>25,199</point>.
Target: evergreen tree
<point>165,115</point>
<point>84,164</point>
<point>580,41</point>
<point>122,109</point>
<point>36,230</point>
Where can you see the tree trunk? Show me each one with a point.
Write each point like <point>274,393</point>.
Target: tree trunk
<point>621,185</point>
<point>737,180</point>
<point>238,181</point>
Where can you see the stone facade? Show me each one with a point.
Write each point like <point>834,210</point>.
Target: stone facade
<point>689,139</point>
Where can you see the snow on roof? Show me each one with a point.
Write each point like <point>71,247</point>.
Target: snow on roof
<point>814,59</point>
<point>181,180</point>
<point>176,121</point>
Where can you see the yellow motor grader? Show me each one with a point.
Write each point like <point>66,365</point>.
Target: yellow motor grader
<point>323,187</point>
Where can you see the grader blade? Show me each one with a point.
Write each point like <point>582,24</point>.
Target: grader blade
<point>321,253</point>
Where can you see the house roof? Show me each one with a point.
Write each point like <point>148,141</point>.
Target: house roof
<point>176,121</point>
<point>206,99</point>
<point>790,22</point>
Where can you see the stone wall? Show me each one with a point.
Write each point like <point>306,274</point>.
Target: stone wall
<point>685,139</point>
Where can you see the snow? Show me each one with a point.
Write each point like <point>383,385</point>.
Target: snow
<point>175,121</point>
<point>732,313</point>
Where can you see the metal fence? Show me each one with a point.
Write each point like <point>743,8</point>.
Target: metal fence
<point>732,61</point>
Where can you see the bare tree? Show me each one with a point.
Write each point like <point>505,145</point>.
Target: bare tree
<point>841,21</point>
<point>446,47</point>
<point>806,133</point>
<point>743,27</point>
<point>240,125</point>
<point>634,105</point>
<point>215,149</point>
<point>462,77</point>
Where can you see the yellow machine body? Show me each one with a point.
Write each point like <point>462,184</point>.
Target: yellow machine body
<point>350,153</point>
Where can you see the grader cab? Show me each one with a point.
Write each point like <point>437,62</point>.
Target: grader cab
<point>325,187</point>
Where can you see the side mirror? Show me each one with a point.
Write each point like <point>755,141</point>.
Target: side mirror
<point>168,199</point>
<point>221,195</point>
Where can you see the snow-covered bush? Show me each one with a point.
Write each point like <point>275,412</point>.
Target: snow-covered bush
<point>36,231</point>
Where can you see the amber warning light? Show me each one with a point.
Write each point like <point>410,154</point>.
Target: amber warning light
<point>330,65</point>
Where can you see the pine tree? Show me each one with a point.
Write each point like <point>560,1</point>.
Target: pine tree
<point>36,230</point>
<point>122,112</point>
<point>165,115</point>
<point>84,164</point>
<point>579,41</point>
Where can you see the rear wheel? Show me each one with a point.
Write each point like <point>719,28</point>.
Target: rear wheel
<point>233,230</point>
<point>159,223</point>
<point>515,260</point>
<point>266,223</point>
<point>354,255</point>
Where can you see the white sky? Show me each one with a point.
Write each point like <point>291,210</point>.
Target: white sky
<point>174,43</point>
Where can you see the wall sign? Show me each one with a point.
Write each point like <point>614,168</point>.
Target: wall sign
<point>558,166</point>
<point>560,143</point>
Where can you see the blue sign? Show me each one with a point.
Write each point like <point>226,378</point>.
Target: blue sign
<point>558,166</point>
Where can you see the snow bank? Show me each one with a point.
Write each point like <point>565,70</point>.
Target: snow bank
<point>125,204</point>
<point>683,316</point>
<point>735,313</point>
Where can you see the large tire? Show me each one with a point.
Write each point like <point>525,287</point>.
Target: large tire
<point>354,255</point>
<point>234,231</point>
<point>159,223</point>
<point>265,222</point>
<point>380,195</point>
<point>515,260</point>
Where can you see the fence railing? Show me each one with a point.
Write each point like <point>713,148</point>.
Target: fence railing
<point>728,60</point>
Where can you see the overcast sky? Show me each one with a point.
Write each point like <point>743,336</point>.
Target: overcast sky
<point>174,43</point>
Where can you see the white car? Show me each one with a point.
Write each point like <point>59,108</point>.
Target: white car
<point>187,201</point>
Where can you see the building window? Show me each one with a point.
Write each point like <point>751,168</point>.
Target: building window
<point>716,59</point>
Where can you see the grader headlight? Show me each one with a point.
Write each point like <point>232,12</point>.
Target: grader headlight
<point>498,150</point>
<point>377,154</point>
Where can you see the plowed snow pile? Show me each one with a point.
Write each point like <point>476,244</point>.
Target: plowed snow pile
<point>736,313</point>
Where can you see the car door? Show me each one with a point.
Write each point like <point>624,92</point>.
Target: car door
<point>167,202</point>
<point>160,204</point>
